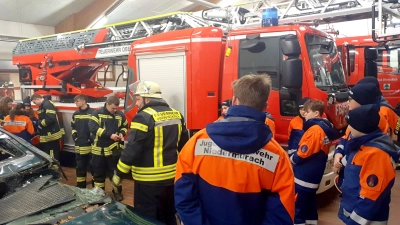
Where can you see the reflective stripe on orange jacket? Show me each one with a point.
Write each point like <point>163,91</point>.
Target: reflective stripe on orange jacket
<point>21,126</point>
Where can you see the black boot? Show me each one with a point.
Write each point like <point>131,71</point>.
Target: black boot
<point>81,184</point>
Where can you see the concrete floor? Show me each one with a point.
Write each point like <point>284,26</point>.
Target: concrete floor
<point>328,201</point>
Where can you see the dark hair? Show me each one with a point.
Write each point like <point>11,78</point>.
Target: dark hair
<point>112,100</point>
<point>81,97</point>
<point>18,110</point>
<point>4,110</point>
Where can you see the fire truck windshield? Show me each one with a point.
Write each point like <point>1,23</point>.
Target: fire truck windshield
<point>327,68</point>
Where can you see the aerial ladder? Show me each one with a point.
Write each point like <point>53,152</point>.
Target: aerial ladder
<point>66,64</point>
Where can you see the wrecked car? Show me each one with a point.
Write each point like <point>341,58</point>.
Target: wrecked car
<point>30,192</point>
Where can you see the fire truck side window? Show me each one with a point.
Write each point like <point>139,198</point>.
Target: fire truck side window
<point>352,57</point>
<point>267,61</point>
<point>388,61</point>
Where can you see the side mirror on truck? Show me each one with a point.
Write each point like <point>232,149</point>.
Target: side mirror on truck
<point>292,71</point>
<point>371,67</point>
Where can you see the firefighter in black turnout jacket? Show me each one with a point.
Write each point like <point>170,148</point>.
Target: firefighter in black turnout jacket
<point>108,126</point>
<point>49,128</point>
<point>82,138</point>
<point>157,134</point>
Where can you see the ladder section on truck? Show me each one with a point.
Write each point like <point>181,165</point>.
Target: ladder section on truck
<point>120,33</point>
<point>249,14</point>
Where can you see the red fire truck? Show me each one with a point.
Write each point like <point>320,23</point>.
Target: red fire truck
<point>195,63</point>
<point>387,61</point>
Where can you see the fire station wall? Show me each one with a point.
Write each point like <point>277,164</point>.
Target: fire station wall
<point>22,30</point>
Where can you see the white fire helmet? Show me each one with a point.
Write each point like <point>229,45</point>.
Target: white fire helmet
<point>147,89</point>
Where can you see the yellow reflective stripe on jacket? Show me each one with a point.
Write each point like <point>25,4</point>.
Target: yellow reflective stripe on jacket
<point>168,122</point>
<point>43,122</point>
<point>50,111</point>
<point>149,111</point>
<point>100,131</point>
<point>95,119</point>
<point>74,131</point>
<point>83,149</point>
<point>123,167</point>
<point>51,137</point>
<point>153,177</point>
<point>179,133</point>
<point>82,116</point>
<point>125,130</point>
<point>139,126</point>
<point>104,116</point>
<point>158,146</point>
<point>153,170</point>
<point>166,115</point>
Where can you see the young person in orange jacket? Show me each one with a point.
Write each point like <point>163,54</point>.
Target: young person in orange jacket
<point>309,161</point>
<point>233,172</point>
<point>370,173</point>
<point>19,123</point>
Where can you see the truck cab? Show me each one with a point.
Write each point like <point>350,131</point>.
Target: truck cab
<point>354,48</point>
<point>195,69</point>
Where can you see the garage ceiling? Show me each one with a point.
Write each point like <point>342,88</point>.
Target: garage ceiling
<point>52,12</point>
<point>134,9</point>
<point>41,12</point>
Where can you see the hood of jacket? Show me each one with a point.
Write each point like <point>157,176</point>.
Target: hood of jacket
<point>384,102</point>
<point>242,131</point>
<point>376,139</point>
<point>326,126</point>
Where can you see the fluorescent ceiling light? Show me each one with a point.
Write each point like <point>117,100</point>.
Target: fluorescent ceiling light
<point>225,3</point>
<point>99,22</point>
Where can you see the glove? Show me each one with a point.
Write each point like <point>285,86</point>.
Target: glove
<point>75,137</point>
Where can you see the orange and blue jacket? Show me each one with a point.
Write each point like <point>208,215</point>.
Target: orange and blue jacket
<point>269,121</point>
<point>21,126</point>
<point>295,132</point>
<point>369,179</point>
<point>309,160</point>
<point>233,172</point>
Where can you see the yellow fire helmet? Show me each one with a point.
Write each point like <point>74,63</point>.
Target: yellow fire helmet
<point>147,89</point>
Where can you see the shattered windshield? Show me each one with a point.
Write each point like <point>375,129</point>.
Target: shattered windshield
<point>327,68</point>
<point>8,150</point>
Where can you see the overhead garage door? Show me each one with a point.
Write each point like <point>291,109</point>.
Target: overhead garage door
<point>168,70</point>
